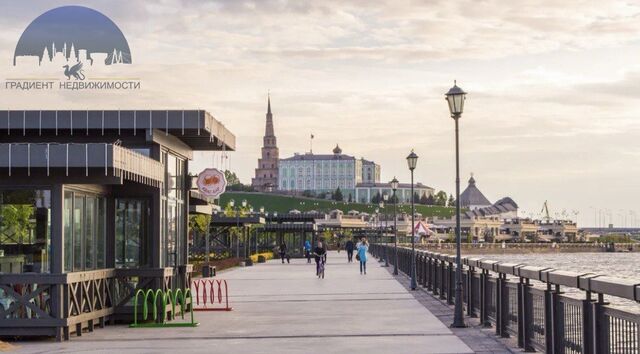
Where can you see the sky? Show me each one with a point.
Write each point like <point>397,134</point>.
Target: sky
<point>552,111</point>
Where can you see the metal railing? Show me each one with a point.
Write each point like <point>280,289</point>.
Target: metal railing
<point>531,303</point>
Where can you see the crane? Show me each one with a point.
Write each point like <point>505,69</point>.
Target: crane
<point>545,211</point>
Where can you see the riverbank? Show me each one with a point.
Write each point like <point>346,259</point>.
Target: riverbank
<point>525,248</point>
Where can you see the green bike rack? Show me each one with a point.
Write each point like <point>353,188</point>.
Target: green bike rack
<point>168,296</point>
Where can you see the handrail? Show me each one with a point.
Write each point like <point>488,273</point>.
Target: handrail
<point>542,319</point>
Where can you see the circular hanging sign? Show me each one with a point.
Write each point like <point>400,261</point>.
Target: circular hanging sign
<point>211,182</point>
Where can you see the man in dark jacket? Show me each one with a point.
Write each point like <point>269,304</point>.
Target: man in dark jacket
<point>349,247</point>
<point>283,252</point>
<point>320,254</point>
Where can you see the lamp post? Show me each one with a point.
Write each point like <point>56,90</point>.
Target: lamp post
<point>412,160</point>
<point>385,197</point>
<point>377,213</point>
<point>261,210</point>
<point>394,187</point>
<point>232,203</point>
<point>381,205</point>
<point>455,98</point>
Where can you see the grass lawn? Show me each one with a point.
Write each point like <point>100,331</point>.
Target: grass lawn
<point>282,204</point>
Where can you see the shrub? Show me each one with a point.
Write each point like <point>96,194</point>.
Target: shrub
<point>265,256</point>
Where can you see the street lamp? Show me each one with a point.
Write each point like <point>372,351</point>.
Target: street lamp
<point>385,197</point>
<point>261,211</point>
<point>412,160</point>
<point>455,98</point>
<point>381,205</point>
<point>394,187</point>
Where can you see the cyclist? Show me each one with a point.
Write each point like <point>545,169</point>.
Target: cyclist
<point>320,254</point>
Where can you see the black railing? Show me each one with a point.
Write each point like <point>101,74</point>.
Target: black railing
<point>531,303</point>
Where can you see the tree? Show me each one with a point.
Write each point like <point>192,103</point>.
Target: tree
<point>416,197</point>
<point>430,200</point>
<point>15,223</point>
<point>199,222</point>
<point>337,195</point>
<point>451,202</point>
<point>309,194</point>
<point>441,198</point>
<point>424,199</point>
<point>350,199</point>
<point>376,198</point>
<point>231,178</point>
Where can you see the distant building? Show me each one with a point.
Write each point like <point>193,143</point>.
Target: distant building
<point>471,198</point>
<point>504,208</point>
<point>266,178</point>
<point>324,173</point>
<point>365,192</point>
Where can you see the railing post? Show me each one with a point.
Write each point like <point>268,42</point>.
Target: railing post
<point>423,270</point>
<point>600,326</point>
<point>443,279</point>
<point>501,302</point>
<point>436,276</point>
<point>557,323</point>
<point>587,325</point>
<point>525,315</point>
<point>470,293</point>
<point>484,300</point>
<point>548,319</point>
<point>428,264</point>
<point>450,282</point>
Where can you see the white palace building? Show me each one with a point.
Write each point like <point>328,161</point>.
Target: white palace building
<point>358,179</point>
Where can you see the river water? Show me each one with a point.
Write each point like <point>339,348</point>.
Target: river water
<point>619,265</point>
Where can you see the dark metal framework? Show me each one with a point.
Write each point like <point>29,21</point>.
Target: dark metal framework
<point>536,305</point>
<point>114,155</point>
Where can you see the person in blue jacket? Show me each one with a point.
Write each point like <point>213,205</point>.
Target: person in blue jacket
<point>307,250</point>
<point>363,247</point>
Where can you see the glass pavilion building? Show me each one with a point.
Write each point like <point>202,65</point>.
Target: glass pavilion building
<point>93,206</point>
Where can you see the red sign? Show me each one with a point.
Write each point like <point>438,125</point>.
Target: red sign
<point>211,182</point>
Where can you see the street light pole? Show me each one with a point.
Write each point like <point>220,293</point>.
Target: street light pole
<point>412,160</point>
<point>394,187</point>
<point>385,197</point>
<point>455,97</point>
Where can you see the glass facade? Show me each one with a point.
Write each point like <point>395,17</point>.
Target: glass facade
<point>25,230</point>
<point>131,233</point>
<point>173,201</point>
<point>84,218</point>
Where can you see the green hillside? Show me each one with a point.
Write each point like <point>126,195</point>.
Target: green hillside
<point>282,204</point>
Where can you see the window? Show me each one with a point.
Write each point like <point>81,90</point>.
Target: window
<point>174,210</point>
<point>25,230</point>
<point>131,233</point>
<point>84,231</point>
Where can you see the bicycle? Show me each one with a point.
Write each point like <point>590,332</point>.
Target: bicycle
<point>320,270</point>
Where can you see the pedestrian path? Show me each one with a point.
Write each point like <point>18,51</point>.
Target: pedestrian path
<point>285,308</point>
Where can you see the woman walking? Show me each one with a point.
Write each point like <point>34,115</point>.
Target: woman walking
<point>307,250</point>
<point>363,247</point>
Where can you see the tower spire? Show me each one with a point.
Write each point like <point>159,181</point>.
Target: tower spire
<point>269,103</point>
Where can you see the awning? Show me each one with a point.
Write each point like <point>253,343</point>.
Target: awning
<point>89,160</point>
<point>196,128</point>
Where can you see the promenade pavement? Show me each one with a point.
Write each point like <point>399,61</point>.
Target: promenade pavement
<point>285,308</point>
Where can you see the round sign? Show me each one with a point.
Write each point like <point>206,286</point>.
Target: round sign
<point>211,182</point>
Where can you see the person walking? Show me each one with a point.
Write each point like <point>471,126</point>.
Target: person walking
<point>338,246</point>
<point>307,250</point>
<point>283,252</point>
<point>362,255</point>
<point>349,247</point>
<point>320,254</point>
